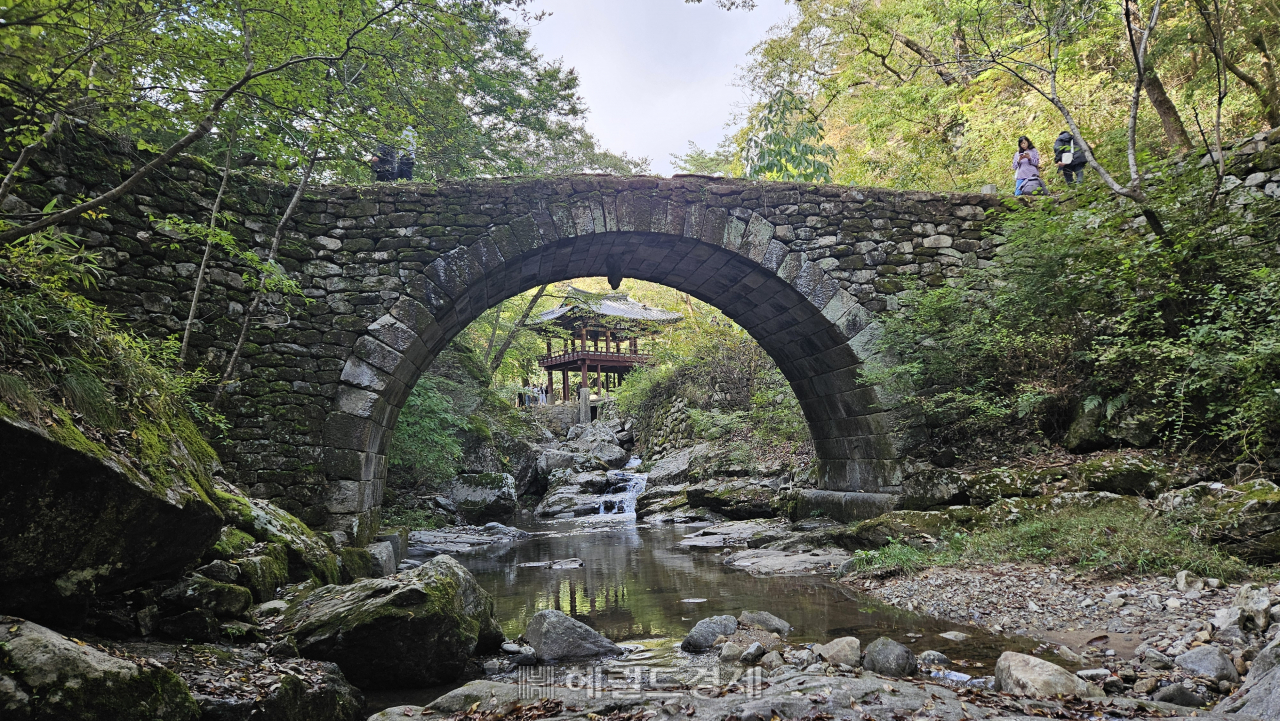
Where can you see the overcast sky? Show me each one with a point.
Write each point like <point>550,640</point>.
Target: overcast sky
<point>655,73</point>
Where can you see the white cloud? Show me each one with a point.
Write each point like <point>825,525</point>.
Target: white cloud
<point>655,73</point>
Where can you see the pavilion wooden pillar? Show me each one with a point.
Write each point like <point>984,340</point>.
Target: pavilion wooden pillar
<point>564,375</point>
<point>551,383</point>
<point>582,371</point>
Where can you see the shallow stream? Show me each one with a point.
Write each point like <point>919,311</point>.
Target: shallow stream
<point>639,587</point>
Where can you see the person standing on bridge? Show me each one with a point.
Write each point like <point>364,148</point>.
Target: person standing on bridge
<point>1069,156</point>
<point>1026,169</point>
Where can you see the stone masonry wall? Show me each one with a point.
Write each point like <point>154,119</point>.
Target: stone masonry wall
<point>393,272</point>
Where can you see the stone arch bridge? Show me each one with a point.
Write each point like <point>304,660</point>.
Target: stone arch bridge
<point>397,270</point>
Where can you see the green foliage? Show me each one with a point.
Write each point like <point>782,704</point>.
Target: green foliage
<point>266,275</point>
<point>721,162</point>
<point>786,142</point>
<point>1114,539</point>
<point>1179,334</point>
<point>57,347</point>
<point>419,519</point>
<point>425,435</point>
<point>732,386</point>
<point>454,82</point>
<point>897,556</point>
<point>923,95</point>
<point>565,149</point>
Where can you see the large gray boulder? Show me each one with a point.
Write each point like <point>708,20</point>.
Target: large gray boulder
<point>675,467</point>
<point>484,497</point>
<point>1024,675</point>
<point>889,658</point>
<point>704,633</point>
<point>555,636</point>
<point>79,519</point>
<point>1260,694</point>
<point>1254,604</point>
<point>598,441</point>
<point>573,493</point>
<point>846,650</point>
<point>45,676</point>
<point>553,460</point>
<point>1210,662</point>
<point>410,630</point>
<point>765,620</point>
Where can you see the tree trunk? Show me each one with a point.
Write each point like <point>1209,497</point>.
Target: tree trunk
<point>1170,120</point>
<point>204,261</point>
<point>257,296</point>
<point>939,67</point>
<point>497,318</point>
<point>506,342</point>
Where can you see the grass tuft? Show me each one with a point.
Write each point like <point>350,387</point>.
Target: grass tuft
<point>1112,539</point>
<point>1116,539</point>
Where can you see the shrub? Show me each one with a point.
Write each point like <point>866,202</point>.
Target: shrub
<point>1178,333</point>
<point>59,348</point>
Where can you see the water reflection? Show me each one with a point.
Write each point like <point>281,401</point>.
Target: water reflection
<point>636,583</point>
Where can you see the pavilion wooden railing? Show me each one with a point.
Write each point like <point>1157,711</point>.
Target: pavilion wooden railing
<point>593,357</point>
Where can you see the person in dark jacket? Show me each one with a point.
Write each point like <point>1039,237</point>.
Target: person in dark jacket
<point>1069,156</point>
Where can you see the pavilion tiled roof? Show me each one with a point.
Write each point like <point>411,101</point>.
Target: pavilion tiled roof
<point>617,305</point>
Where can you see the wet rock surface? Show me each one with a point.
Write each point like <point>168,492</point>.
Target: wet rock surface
<point>458,539</point>
<point>45,675</point>
<point>557,637</point>
<point>416,628</point>
<point>87,518</point>
<point>484,497</point>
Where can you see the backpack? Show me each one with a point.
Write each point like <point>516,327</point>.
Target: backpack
<point>1069,155</point>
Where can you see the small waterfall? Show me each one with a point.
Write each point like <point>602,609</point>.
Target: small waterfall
<point>622,495</point>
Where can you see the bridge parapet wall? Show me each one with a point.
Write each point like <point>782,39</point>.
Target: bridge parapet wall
<point>393,272</point>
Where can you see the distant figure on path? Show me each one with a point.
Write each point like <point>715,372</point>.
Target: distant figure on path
<point>1069,156</point>
<point>1026,168</point>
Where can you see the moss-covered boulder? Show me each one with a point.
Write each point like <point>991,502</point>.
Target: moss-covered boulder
<point>1246,518</point>
<point>989,486</point>
<point>309,557</point>
<point>931,487</point>
<point>410,630</point>
<point>195,592</point>
<point>355,563</point>
<point>45,676</point>
<point>735,499</point>
<point>915,528</point>
<point>265,572</point>
<point>1125,475</point>
<point>1085,435</point>
<point>484,497</point>
<point>80,516</point>
<point>232,542</point>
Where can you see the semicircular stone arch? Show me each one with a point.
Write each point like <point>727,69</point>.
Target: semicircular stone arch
<point>397,270</point>
<point>760,253</point>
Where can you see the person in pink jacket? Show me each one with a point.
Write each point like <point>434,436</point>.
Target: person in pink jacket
<point>1026,169</point>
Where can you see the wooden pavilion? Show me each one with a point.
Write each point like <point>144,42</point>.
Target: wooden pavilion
<point>582,324</point>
